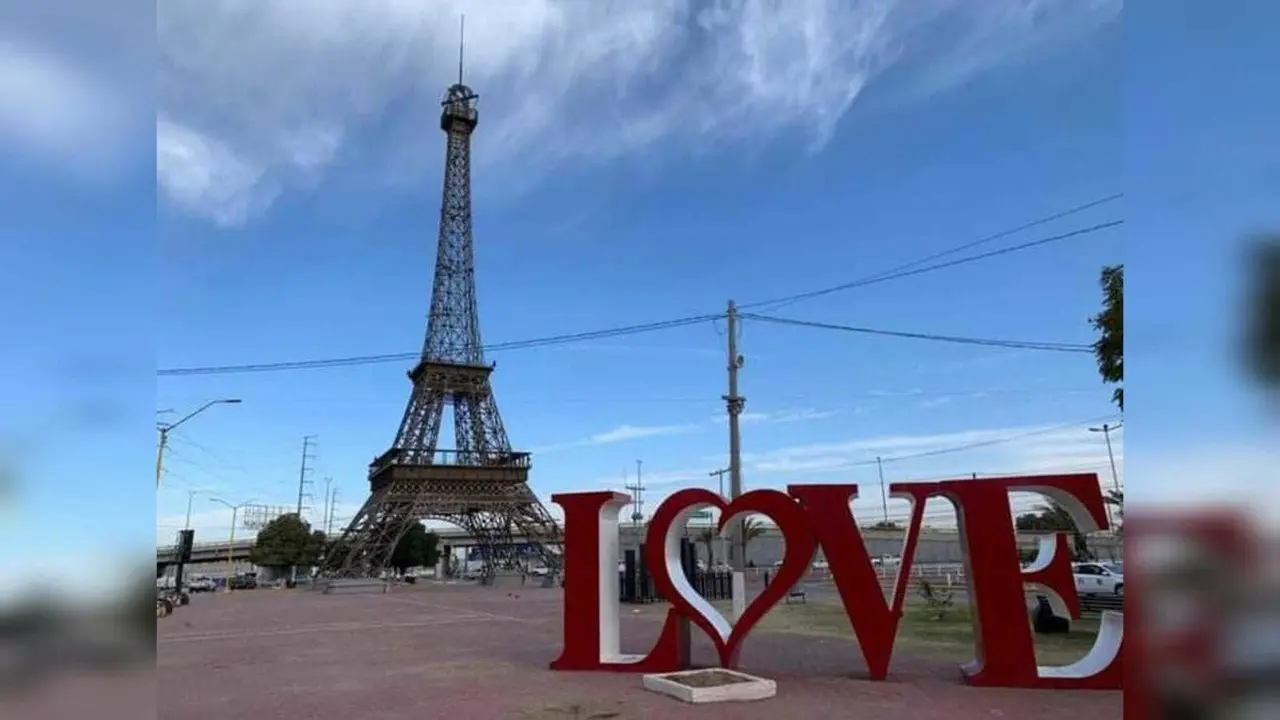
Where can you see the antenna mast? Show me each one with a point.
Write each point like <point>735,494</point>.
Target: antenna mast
<point>462,43</point>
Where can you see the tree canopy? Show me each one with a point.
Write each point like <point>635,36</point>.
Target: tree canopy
<point>1109,347</point>
<point>1263,326</point>
<point>416,548</point>
<point>287,541</point>
<point>1055,518</point>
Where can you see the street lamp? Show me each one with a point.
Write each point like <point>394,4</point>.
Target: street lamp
<point>231,541</point>
<point>166,427</point>
<point>1115,477</point>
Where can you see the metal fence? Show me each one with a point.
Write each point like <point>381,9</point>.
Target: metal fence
<point>636,584</point>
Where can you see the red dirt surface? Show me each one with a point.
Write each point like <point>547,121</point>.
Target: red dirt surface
<point>470,653</point>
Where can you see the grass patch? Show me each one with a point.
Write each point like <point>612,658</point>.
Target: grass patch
<point>919,634</point>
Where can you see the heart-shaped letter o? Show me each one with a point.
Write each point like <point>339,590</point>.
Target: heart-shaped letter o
<point>662,555</point>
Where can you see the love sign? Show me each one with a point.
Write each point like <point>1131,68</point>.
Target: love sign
<point>819,516</point>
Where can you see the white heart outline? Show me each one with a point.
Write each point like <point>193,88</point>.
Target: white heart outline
<point>674,567</point>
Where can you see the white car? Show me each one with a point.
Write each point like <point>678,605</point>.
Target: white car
<point>1099,578</point>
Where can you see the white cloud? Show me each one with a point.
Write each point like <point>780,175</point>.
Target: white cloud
<point>985,451</point>
<point>273,91</point>
<point>626,433</point>
<point>622,433</point>
<point>784,416</point>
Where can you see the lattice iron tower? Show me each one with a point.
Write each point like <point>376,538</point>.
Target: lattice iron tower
<point>480,485</point>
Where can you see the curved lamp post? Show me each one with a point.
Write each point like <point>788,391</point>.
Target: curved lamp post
<point>165,428</point>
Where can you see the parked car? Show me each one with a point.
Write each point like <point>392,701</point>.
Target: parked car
<point>201,584</point>
<point>247,581</point>
<point>1099,578</point>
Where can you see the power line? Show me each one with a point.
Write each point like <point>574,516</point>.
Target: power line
<point>897,270</point>
<point>407,356</point>
<point>996,441</point>
<point>906,270</point>
<point>1017,344</point>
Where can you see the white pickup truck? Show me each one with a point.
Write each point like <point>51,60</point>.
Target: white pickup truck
<point>1099,578</point>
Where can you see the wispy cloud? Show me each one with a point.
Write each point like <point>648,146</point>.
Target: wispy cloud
<point>995,450</point>
<point>622,433</point>
<point>779,417</point>
<point>626,433</point>
<point>562,81</point>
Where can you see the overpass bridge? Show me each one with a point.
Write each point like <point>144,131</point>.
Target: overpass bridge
<point>936,545</point>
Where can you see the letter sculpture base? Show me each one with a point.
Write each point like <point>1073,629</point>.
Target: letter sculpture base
<point>711,685</point>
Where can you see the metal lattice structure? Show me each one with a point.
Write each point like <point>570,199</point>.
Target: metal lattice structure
<point>481,484</point>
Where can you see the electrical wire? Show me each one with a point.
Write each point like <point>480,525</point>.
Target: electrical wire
<point>895,271</point>
<point>1016,344</point>
<point>876,279</point>
<point>410,356</point>
<point>901,271</point>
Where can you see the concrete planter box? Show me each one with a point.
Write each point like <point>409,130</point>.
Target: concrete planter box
<point>711,685</point>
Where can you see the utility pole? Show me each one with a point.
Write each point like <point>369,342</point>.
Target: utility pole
<point>191,495</point>
<point>308,441</point>
<point>303,483</point>
<point>884,494</point>
<point>166,428</point>
<point>333,504</point>
<point>637,489</point>
<point>324,517</point>
<point>719,476</point>
<point>734,404</point>
<point>1111,456</point>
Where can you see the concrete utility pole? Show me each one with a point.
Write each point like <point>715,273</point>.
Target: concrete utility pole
<point>884,494</point>
<point>1111,456</point>
<point>734,404</point>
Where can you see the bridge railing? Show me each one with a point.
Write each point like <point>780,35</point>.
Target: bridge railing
<point>205,546</point>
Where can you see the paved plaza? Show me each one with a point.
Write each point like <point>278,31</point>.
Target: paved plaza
<point>442,651</point>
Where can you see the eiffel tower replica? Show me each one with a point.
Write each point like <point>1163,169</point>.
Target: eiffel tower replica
<point>480,486</point>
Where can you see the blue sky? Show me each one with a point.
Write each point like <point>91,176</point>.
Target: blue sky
<point>647,165</point>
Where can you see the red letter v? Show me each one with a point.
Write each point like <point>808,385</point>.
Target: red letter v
<point>874,621</point>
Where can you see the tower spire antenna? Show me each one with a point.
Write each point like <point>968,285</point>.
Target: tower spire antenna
<point>462,43</point>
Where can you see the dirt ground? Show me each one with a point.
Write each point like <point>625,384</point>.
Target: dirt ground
<point>439,651</point>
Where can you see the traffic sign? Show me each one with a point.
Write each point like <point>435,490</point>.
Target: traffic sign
<point>701,515</point>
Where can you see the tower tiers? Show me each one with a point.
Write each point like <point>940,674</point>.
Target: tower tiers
<point>480,484</point>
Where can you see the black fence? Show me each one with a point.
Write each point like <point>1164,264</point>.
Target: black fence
<point>636,583</point>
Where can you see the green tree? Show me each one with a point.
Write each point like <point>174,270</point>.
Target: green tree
<point>1054,518</point>
<point>287,541</point>
<point>1262,343</point>
<point>1108,350</point>
<point>886,525</point>
<point>752,528</point>
<point>416,548</point>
